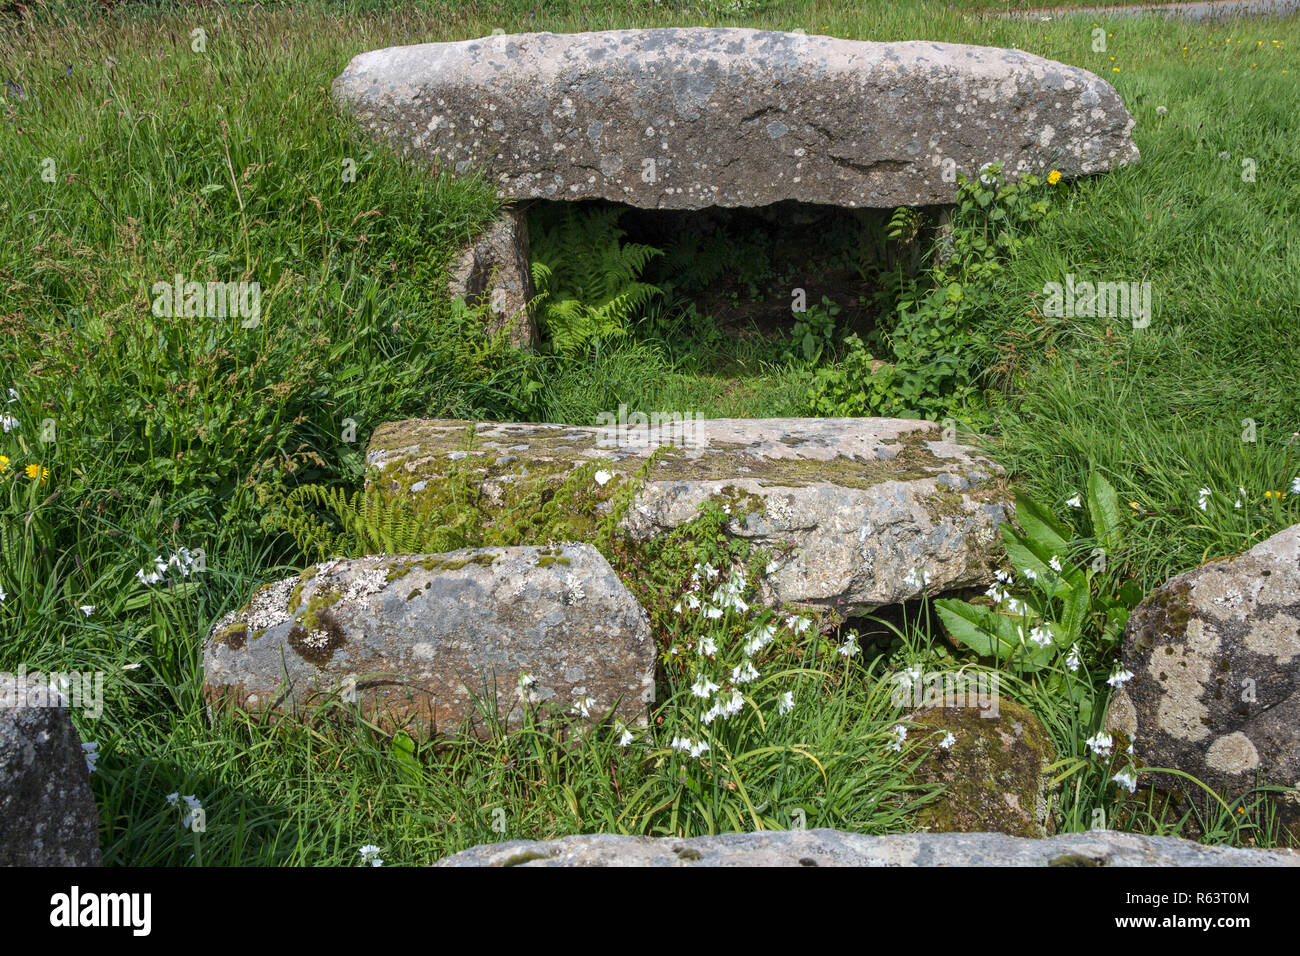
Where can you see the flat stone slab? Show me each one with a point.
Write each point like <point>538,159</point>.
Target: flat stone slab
<point>1215,654</point>
<point>415,639</point>
<point>837,848</point>
<point>863,502</point>
<point>695,117</point>
<point>47,810</point>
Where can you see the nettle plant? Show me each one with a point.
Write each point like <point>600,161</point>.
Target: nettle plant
<point>1060,609</point>
<point>813,334</point>
<point>932,347</point>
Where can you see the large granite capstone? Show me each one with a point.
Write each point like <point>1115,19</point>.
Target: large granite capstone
<point>426,642</point>
<point>697,117</point>
<point>1215,654</point>
<point>858,512</point>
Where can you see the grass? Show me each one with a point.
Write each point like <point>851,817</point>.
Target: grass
<point>226,164</point>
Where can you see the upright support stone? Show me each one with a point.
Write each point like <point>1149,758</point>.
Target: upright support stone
<point>495,270</point>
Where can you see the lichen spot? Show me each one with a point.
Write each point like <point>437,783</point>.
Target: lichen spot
<point>1233,753</point>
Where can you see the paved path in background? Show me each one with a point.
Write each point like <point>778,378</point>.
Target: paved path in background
<point>1207,10</point>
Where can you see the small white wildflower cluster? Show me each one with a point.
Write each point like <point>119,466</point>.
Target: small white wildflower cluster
<point>182,560</point>
<point>370,855</point>
<point>719,674</point>
<point>1127,778</point>
<point>1040,636</point>
<point>8,422</point>
<point>191,804</point>
<point>692,747</point>
<point>899,737</point>
<point>917,578</point>
<point>726,596</point>
<point>1100,744</point>
<point>1119,678</point>
<point>90,750</point>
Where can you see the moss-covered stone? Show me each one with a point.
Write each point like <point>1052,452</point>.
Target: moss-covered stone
<point>993,776</point>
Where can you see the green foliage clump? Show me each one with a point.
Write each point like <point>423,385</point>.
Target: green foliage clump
<point>939,337</point>
<point>1068,605</point>
<point>587,279</point>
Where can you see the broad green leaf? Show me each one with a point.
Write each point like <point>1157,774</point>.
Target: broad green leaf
<point>403,752</point>
<point>1041,526</point>
<point>1103,509</point>
<point>969,625</point>
<point>1074,614</point>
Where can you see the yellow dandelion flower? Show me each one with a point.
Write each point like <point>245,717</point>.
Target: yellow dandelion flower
<point>1054,176</point>
<point>4,464</point>
<point>36,471</point>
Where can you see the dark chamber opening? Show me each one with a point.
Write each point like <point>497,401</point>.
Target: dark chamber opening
<point>743,266</point>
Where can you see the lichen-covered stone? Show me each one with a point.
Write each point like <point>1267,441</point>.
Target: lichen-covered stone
<point>863,502</point>
<point>697,117</point>
<point>837,848</point>
<point>1215,654</point>
<point>993,775</point>
<point>494,270</point>
<point>47,811</point>
<point>416,639</point>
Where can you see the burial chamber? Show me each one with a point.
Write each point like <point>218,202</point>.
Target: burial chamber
<point>692,118</point>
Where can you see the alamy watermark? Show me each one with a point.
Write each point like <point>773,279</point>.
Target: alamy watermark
<point>81,690</point>
<point>208,300</point>
<point>1124,300</point>
<point>916,688</point>
<point>656,428</point>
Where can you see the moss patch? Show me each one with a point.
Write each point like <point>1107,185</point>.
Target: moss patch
<point>1163,616</point>
<point>234,636</point>
<point>317,644</point>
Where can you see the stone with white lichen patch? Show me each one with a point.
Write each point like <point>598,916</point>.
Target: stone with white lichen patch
<point>419,640</point>
<point>1215,654</point>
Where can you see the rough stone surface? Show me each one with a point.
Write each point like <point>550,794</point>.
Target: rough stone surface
<point>494,269</point>
<point>850,506</point>
<point>696,117</point>
<point>993,774</point>
<point>47,811</point>
<point>837,848</point>
<point>420,636</point>
<point>1215,654</point>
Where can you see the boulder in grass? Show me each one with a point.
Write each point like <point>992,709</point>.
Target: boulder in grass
<point>47,810</point>
<point>859,512</point>
<point>1215,692</point>
<point>428,642</point>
